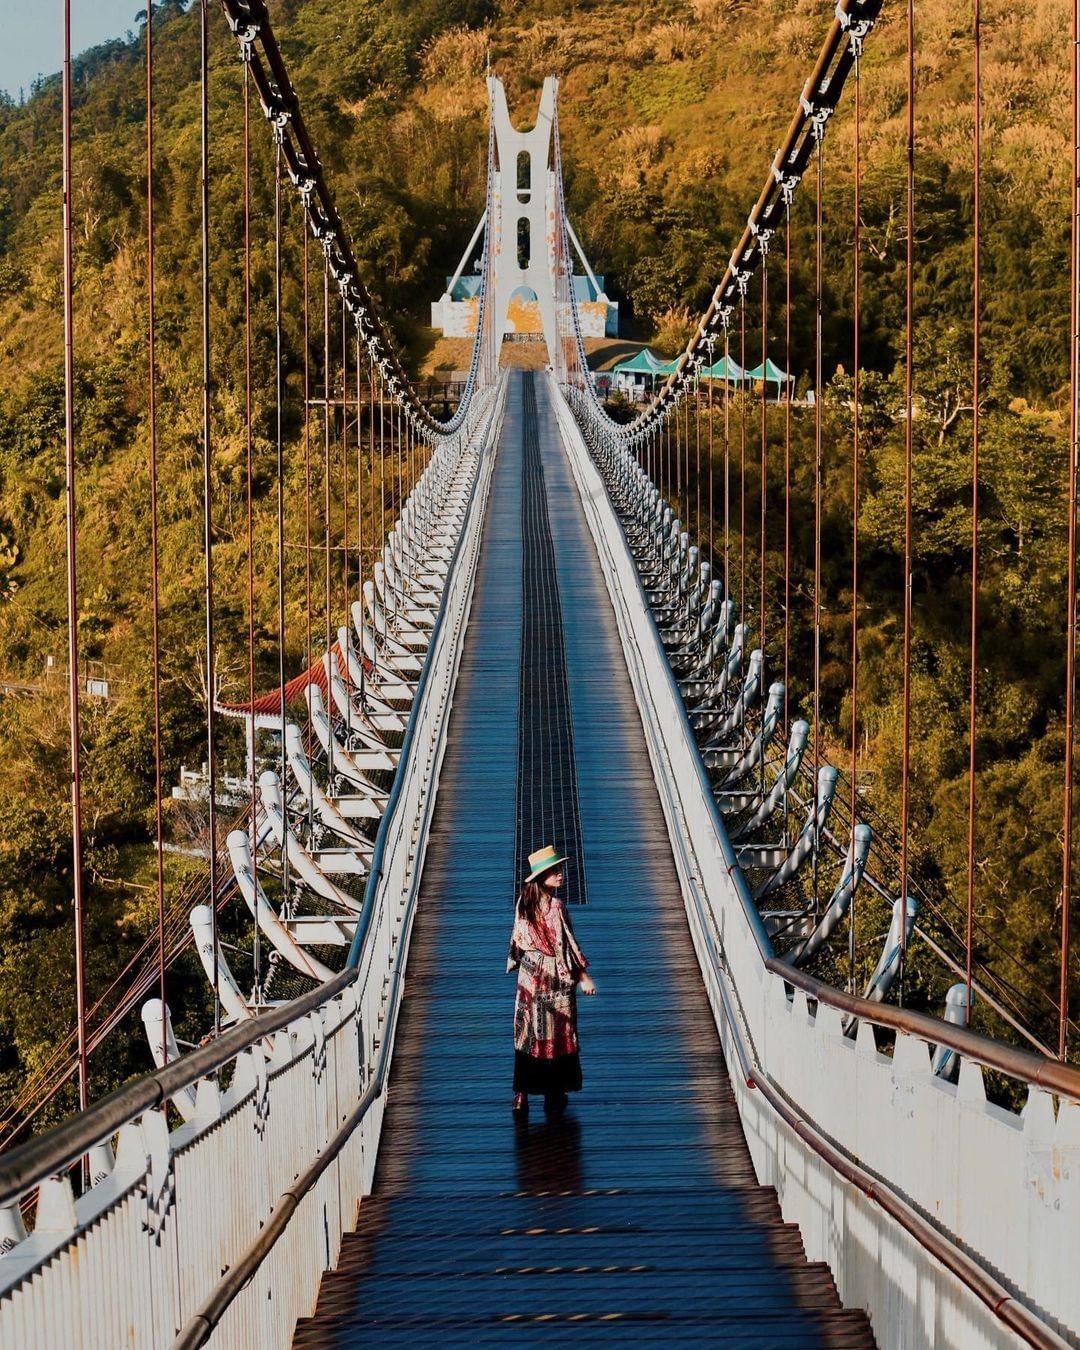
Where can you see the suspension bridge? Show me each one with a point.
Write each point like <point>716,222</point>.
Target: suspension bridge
<point>536,646</point>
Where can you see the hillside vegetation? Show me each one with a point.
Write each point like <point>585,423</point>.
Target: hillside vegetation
<point>670,113</point>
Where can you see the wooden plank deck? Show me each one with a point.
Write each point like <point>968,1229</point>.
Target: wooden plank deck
<point>636,1216</point>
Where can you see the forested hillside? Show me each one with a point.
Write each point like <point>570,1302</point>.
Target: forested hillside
<point>670,114</point>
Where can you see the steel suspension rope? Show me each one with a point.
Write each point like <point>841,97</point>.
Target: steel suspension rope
<point>973,673</point>
<point>1070,629</point>
<point>307,493</point>
<point>208,497</point>
<point>764,458</point>
<point>818,99</point>
<point>279,448</point>
<point>155,598</point>
<point>727,458</point>
<point>856,449</point>
<point>712,470</point>
<point>787,463</point>
<point>909,406</point>
<point>697,452</point>
<point>345,467</point>
<point>818,476</point>
<point>250,23</point>
<point>742,465</point>
<point>74,742</point>
<point>327,525</point>
<point>249,485</point>
<point>359,492</point>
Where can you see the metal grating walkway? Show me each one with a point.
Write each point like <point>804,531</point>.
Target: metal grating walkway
<point>636,1217</point>
<point>548,811</point>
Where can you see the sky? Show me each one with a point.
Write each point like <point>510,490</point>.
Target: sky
<point>30,35</point>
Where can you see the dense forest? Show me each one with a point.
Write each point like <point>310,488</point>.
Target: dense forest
<point>670,114</point>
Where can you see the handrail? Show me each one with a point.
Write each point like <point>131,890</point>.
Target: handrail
<point>49,1154</point>
<point>200,1326</point>
<point>997,1297</point>
<point>1037,1070</point>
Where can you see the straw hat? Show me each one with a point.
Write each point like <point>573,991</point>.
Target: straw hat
<point>543,860</point>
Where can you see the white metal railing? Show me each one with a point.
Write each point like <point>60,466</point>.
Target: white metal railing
<point>951,1221</point>
<point>177,1238</point>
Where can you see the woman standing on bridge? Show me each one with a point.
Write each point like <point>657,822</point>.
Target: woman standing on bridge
<point>550,966</point>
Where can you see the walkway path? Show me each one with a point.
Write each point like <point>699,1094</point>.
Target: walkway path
<point>636,1216</point>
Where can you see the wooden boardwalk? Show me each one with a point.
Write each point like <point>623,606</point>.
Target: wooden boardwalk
<point>636,1216</point>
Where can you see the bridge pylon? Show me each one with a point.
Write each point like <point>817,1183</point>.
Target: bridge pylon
<point>523,235</point>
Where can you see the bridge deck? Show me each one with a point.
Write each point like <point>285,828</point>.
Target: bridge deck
<point>636,1216</point>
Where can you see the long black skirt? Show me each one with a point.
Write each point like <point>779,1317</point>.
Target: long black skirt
<point>547,1076</point>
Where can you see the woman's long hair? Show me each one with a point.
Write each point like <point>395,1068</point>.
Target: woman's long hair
<point>533,895</point>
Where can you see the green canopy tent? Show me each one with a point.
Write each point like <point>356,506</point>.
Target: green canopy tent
<point>641,367</point>
<point>725,369</point>
<point>770,373</point>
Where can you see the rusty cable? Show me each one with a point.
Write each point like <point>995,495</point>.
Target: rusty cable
<point>327,599</point>
<point>787,468</point>
<point>249,484</point>
<point>855,451</point>
<point>307,495</point>
<point>764,458</point>
<point>279,436</point>
<point>155,589</point>
<point>78,880</point>
<point>208,500</point>
<point>818,474</point>
<point>909,369</point>
<point>973,676</point>
<point>1070,630</point>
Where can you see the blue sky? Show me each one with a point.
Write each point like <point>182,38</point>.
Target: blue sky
<point>30,34</point>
